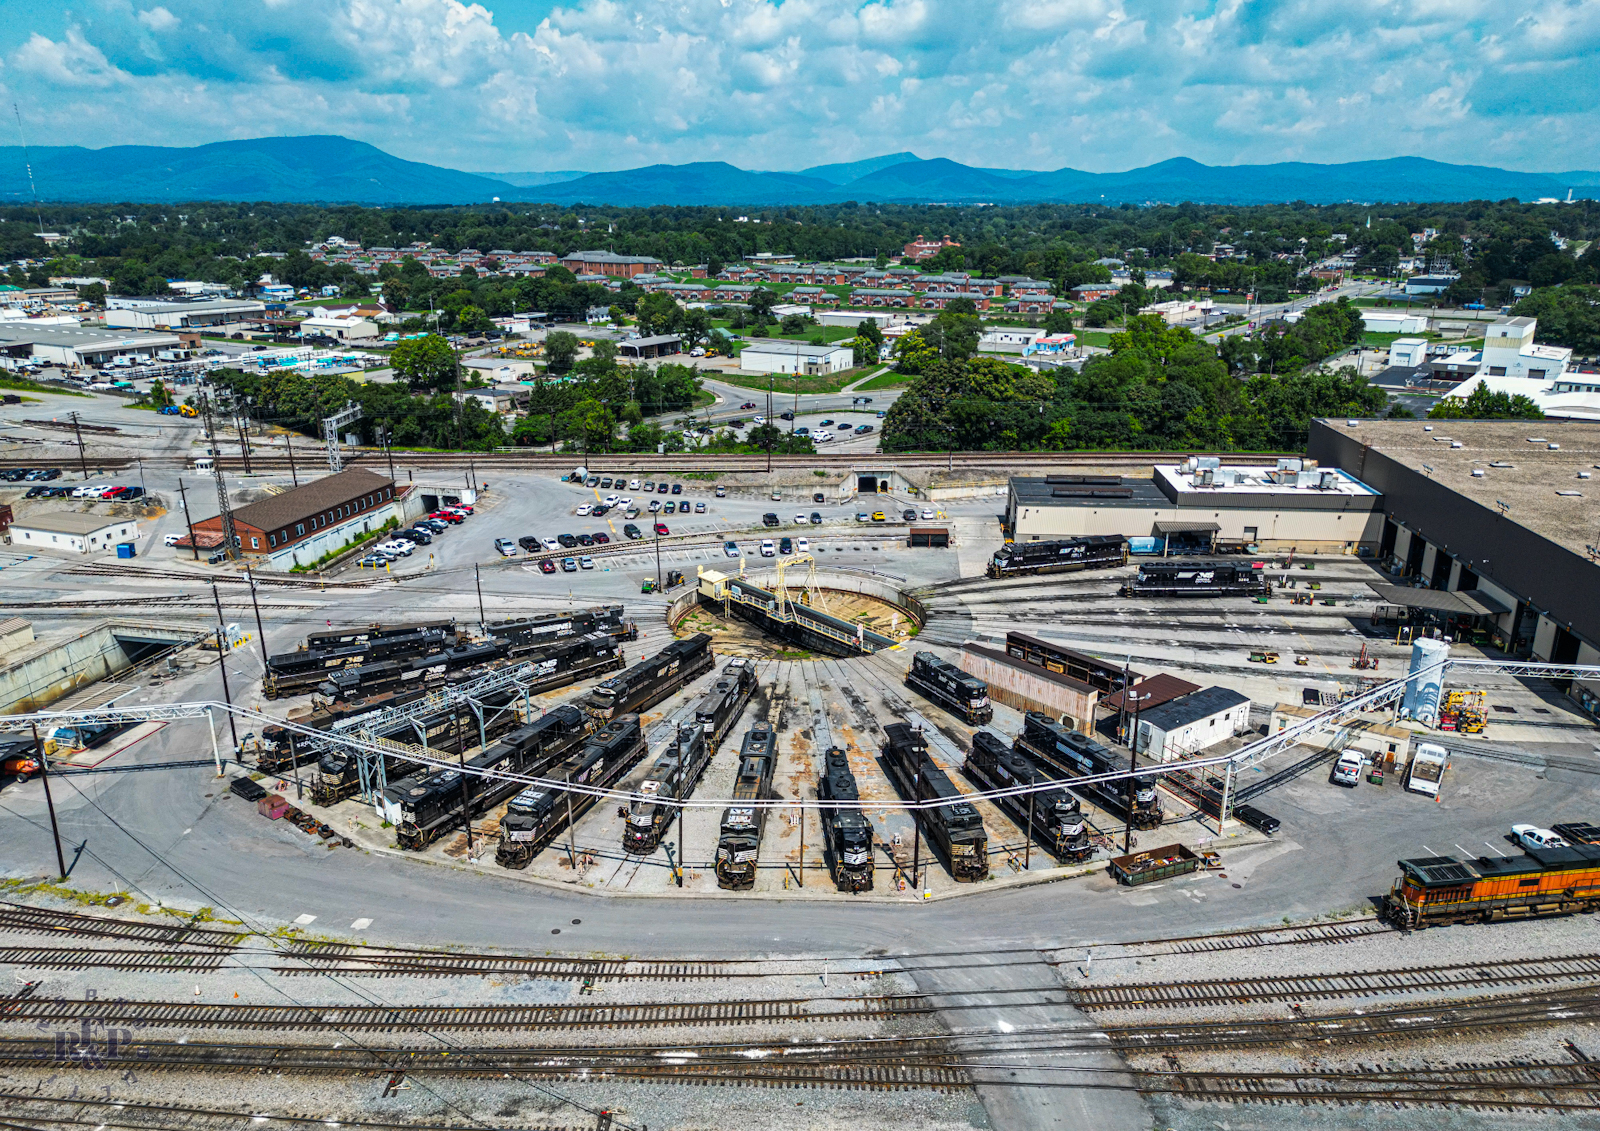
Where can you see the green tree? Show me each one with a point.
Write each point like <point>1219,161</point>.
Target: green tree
<point>424,363</point>
<point>1484,404</point>
<point>761,306</point>
<point>473,320</point>
<point>560,350</point>
<point>1568,316</point>
<point>159,396</point>
<point>1058,322</point>
<point>657,313</point>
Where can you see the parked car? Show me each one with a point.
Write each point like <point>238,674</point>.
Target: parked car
<point>1532,836</point>
<point>529,543</point>
<point>767,548</point>
<point>927,512</point>
<point>722,492</point>
<point>822,436</point>
<point>506,546</point>
<point>661,528</point>
<point>605,482</point>
<point>655,506</point>
<point>633,484</point>
<point>677,488</point>
<point>586,563</point>
<point>434,525</point>
<point>601,538</point>
<point>818,497</point>
<point>1256,819</point>
<point>769,519</point>
<point>879,516</point>
<point>592,481</point>
<point>397,547</point>
<point>567,541</point>
<point>863,429</point>
<point>816,518</point>
<point>460,508</point>
<point>584,510</point>
<point>569,566</point>
<point>611,500</point>
<point>599,510</point>
<point>417,534</point>
<point>649,488</point>
<point>802,545</point>
<point>800,519</point>
<point>699,508</point>
<point>863,516</point>
<point>171,539</point>
<point>374,561</point>
<point>731,549</point>
<point>670,508</point>
<point>1347,770</point>
<point>547,566</point>
<point>549,544</point>
<point>586,539</point>
<point>631,531</point>
<point>785,546</point>
<point>447,516</point>
<point>661,488</point>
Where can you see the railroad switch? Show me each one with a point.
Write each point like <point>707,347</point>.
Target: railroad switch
<point>395,1085</point>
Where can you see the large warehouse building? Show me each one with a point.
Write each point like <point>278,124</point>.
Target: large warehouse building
<point>1199,505</point>
<point>1500,516</point>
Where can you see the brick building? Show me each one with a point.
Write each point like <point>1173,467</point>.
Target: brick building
<point>300,525</point>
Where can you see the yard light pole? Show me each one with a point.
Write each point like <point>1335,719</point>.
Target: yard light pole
<point>1133,764</point>
<point>657,527</point>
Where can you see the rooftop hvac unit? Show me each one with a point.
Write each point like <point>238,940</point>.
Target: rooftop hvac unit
<point>1187,467</point>
<point>1289,463</point>
<point>1478,473</point>
<point>1330,481</point>
<point>1211,462</point>
<point>1204,477</point>
<point>1307,479</point>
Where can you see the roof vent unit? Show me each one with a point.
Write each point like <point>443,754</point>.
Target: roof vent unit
<point>1329,481</point>
<point>1208,462</point>
<point>1553,447</point>
<point>1224,477</point>
<point>1478,473</point>
<point>1187,467</point>
<point>1308,479</point>
<point>1427,428</point>
<point>1203,478</point>
<point>1583,475</point>
<point>1289,463</point>
<point>1457,444</point>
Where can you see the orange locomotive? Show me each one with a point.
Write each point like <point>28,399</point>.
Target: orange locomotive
<point>1437,890</point>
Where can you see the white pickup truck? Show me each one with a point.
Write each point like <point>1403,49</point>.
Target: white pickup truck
<point>1427,768</point>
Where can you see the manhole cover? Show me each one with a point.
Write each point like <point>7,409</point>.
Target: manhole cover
<point>575,922</point>
<point>555,930</point>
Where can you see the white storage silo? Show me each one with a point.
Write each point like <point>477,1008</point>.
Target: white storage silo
<point>1421,700</point>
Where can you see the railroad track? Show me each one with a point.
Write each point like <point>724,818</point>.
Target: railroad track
<point>400,1018</point>
<point>28,1109</point>
<point>1307,987</point>
<point>1547,1085</point>
<point>197,961</point>
<point>1312,934</point>
<point>1400,1023</point>
<point>111,569</point>
<point>886,1066</point>
<point>16,917</point>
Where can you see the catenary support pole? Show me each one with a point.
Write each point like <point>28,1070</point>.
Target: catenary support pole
<point>1130,796</point>
<point>185,498</point>
<point>222,667</point>
<point>572,843</point>
<point>261,633</point>
<point>1027,852</point>
<point>293,474</point>
<point>294,762</point>
<point>49,802</point>
<point>483,621</point>
<point>216,750</point>
<point>683,813</point>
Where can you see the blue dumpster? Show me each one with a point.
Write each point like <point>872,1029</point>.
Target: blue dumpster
<point>124,549</point>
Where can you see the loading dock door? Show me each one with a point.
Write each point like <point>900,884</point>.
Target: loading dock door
<point>867,484</point>
<point>936,537</point>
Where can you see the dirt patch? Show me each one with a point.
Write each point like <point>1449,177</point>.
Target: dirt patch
<point>732,636</point>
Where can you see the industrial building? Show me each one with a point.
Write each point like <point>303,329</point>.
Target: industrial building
<point>1191,723</point>
<point>72,532</point>
<point>300,526</point>
<point>1496,515</point>
<point>1199,506</point>
<point>183,315</point>
<point>79,346</point>
<point>794,357</point>
<point>642,349</point>
<point>1031,687</point>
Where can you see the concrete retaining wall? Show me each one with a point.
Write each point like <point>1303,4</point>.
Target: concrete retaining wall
<point>884,589</point>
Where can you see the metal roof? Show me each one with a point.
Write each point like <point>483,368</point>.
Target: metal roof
<point>279,511</point>
<point>1186,526</point>
<point>1161,687</point>
<point>1471,603</point>
<point>1192,708</point>
<point>68,522</point>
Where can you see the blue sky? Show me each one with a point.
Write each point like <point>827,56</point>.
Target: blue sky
<point>609,84</point>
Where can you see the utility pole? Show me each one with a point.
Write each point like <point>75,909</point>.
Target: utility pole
<point>230,533</point>
<point>916,823</point>
<point>192,543</point>
<point>293,474</point>
<point>771,430</point>
<point>261,633</point>
<point>244,441</point>
<point>388,448</point>
<point>478,581</point>
<point>44,776</point>
<point>1133,764</point>
<point>222,667</point>
<point>572,844</point>
<point>656,526</point>
<point>142,487</point>
<point>1027,840</point>
<point>83,464</point>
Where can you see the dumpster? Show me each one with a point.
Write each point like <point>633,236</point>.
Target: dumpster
<point>124,549</point>
<point>1154,864</point>
<point>272,806</point>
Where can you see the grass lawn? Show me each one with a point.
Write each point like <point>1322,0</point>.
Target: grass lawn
<point>781,384</point>
<point>1101,338</point>
<point>889,380</point>
<point>25,385</point>
<point>703,397</point>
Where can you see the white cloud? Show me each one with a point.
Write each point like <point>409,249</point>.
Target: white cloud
<point>1095,84</point>
<point>158,19</point>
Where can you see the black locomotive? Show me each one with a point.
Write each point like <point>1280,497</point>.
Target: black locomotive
<point>670,779</point>
<point>447,730</point>
<point>846,831</point>
<point>426,804</point>
<point>1056,817</point>
<point>292,673</point>
<point>425,671</point>
<point>539,814</point>
<point>1183,578</point>
<point>719,709</point>
<point>739,843</point>
<point>955,830</point>
<point>650,681</point>
<point>529,634</point>
<point>1092,551</point>
<point>965,696</point>
<point>1077,755</point>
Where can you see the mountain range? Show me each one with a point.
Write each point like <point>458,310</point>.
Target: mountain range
<point>335,169</point>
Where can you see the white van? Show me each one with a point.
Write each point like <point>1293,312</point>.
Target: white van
<point>1347,770</point>
<point>1427,767</point>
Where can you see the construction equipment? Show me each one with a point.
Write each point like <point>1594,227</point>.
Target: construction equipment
<point>1465,712</point>
<point>1260,657</point>
<point>1302,661</point>
<point>1365,662</point>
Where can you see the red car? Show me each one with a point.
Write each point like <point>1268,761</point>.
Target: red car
<point>547,566</point>
<point>116,492</point>
<point>448,516</point>
<point>601,539</point>
<point>748,404</point>
<point>661,528</point>
<point>463,508</point>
